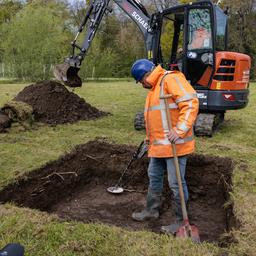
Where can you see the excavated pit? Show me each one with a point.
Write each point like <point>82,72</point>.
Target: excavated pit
<point>74,188</point>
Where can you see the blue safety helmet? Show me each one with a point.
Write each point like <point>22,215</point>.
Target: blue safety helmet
<point>140,68</point>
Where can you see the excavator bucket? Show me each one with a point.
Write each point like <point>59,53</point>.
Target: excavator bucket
<point>67,75</point>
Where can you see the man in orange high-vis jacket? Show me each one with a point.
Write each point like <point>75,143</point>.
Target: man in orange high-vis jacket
<point>183,107</point>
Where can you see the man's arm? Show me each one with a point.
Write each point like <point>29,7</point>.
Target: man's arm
<point>185,97</point>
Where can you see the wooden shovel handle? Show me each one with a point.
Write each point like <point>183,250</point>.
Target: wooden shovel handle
<point>176,162</point>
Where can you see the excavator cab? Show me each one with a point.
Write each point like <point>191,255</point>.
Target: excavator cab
<point>193,39</point>
<point>186,40</point>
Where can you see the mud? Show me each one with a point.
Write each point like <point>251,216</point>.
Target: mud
<point>53,103</point>
<point>74,187</point>
<point>5,122</point>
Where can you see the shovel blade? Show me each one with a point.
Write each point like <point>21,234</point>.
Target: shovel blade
<point>67,75</point>
<point>188,231</point>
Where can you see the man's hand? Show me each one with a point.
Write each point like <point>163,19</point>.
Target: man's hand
<point>173,136</point>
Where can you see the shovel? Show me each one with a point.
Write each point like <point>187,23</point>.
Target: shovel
<point>138,154</point>
<point>185,230</point>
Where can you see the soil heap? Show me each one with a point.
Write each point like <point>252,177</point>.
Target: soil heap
<point>53,103</point>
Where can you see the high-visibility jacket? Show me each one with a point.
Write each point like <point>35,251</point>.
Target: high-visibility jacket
<point>183,107</point>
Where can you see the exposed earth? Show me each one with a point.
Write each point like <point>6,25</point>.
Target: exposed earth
<point>74,188</point>
<point>5,122</point>
<point>53,103</point>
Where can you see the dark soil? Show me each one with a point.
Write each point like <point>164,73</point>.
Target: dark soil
<point>5,122</point>
<point>53,103</point>
<point>74,187</point>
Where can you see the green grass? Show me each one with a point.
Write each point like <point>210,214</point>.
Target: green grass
<point>25,150</point>
<point>42,234</point>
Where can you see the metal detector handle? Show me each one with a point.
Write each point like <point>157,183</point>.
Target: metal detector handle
<point>176,162</point>
<point>142,150</point>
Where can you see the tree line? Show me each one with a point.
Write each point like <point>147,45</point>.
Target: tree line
<point>36,35</point>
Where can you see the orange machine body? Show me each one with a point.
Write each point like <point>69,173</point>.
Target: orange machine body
<point>232,72</point>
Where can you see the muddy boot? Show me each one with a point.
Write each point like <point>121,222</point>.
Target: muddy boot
<point>173,227</point>
<point>152,208</point>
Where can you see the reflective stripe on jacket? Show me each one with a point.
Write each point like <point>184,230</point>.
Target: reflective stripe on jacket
<point>183,106</point>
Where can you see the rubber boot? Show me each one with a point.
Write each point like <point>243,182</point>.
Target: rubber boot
<point>173,227</point>
<point>152,207</point>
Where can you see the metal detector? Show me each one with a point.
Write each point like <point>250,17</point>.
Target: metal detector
<point>138,154</point>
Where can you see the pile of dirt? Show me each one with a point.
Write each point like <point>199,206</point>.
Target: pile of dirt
<point>74,187</point>
<point>53,103</point>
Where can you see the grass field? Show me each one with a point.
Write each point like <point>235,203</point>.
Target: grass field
<point>43,234</point>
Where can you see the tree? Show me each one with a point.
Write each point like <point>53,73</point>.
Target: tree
<point>130,46</point>
<point>242,28</point>
<point>98,62</point>
<point>163,4</point>
<point>77,11</point>
<point>35,40</point>
<point>8,9</point>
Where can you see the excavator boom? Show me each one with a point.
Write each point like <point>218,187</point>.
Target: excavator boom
<point>68,71</point>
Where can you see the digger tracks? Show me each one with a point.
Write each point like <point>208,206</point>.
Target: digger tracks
<point>206,124</point>
<point>139,123</point>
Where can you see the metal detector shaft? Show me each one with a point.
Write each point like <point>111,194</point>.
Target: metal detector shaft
<point>135,156</point>
<point>125,170</point>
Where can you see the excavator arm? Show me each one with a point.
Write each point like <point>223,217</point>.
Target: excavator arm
<point>68,71</point>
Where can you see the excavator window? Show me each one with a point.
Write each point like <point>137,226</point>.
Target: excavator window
<point>199,59</point>
<point>221,30</point>
<point>171,40</point>
<point>199,29</point>
<point>186,43</point>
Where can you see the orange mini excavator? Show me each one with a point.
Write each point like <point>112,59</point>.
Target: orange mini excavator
<point>190,37</point>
